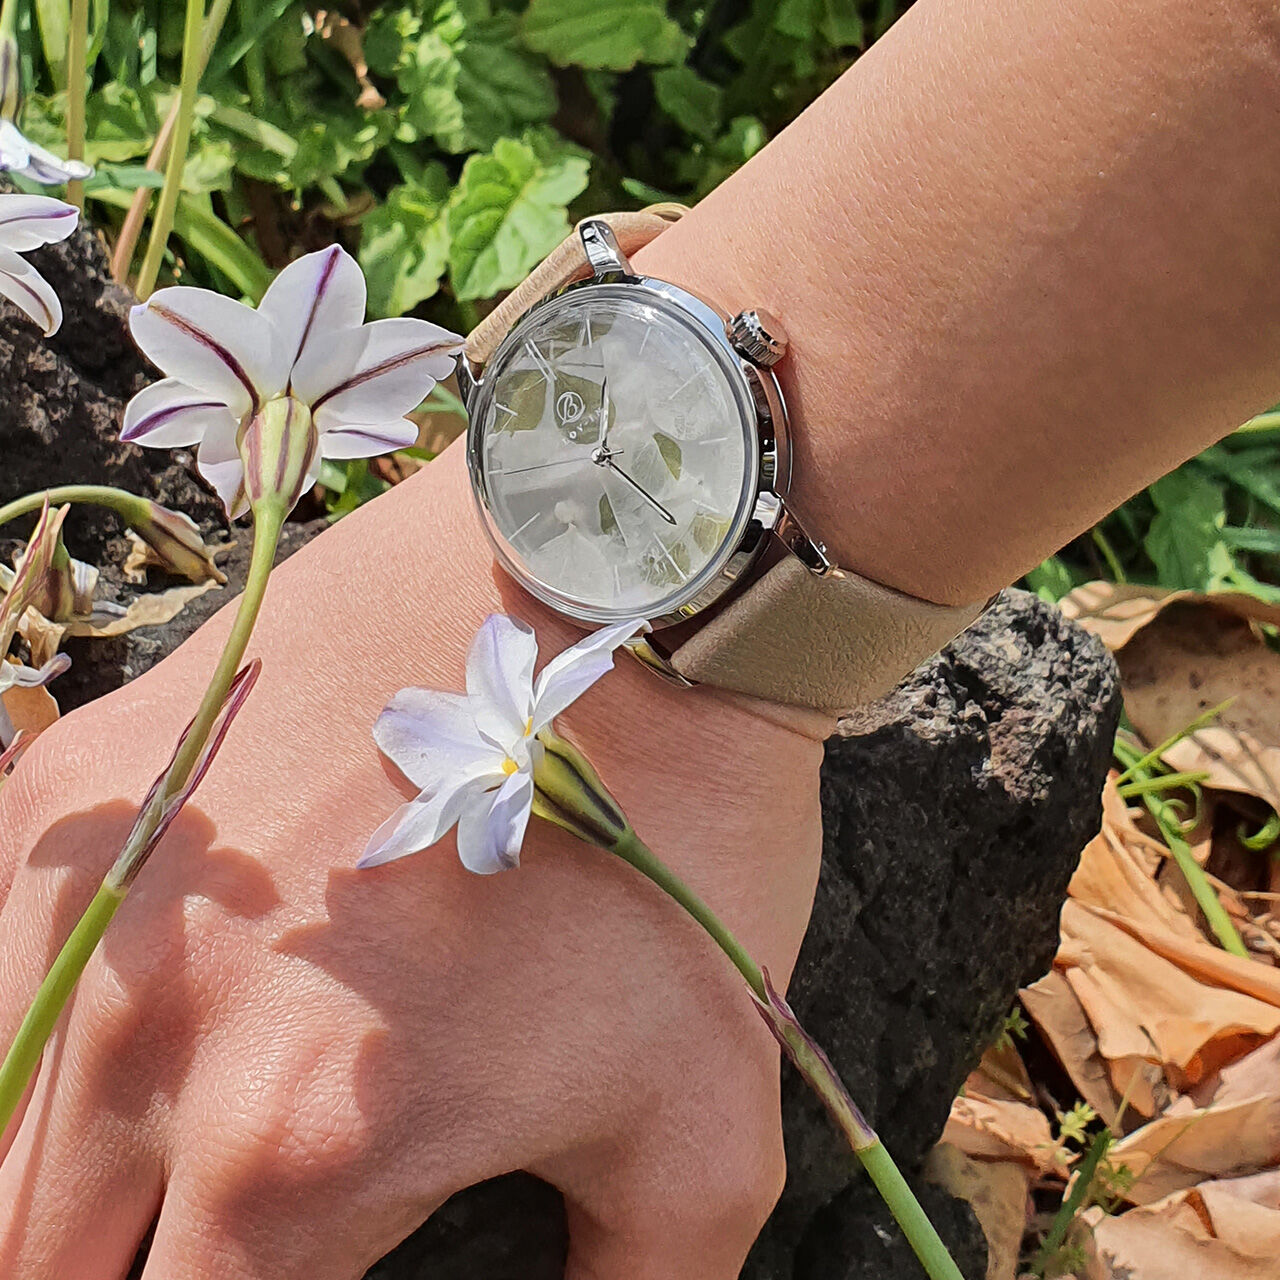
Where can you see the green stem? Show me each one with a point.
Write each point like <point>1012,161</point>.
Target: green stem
<point>1224,929</point>
<point>77,91</point>
<point>268,521</point>
<point>255,63</point>
<point>162,224</point>
<point>9,18</point>
<point>1136,763</point>
<point>24,1055</point>
<point>812,1064</point>
<point>125,504</point>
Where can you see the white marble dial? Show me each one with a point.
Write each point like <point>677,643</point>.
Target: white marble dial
<point>613,453</point>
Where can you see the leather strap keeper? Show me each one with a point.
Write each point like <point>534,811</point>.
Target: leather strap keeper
<point>829,643</point>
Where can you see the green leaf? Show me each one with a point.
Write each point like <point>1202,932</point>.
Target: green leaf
<point>508,213</point>
<point>1185,539</point>
<point>693,103</point>
<point>1051,580</point>
<point>608,35</point>
<point>404,244</point>
<point>835,22</point>
<point>670,451</point>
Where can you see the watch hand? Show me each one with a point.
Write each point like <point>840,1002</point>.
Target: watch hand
<point>648,497</point>
<point>541,466</point>
<point>605,423</point>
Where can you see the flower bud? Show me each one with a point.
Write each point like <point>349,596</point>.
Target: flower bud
<point>172,542</point>
<point>568,792</point>
<point>10,78</point>
<point>279,448</point>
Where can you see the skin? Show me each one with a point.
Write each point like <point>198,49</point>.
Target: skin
<point>1010,306</point>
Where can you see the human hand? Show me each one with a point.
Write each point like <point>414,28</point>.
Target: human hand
<point>296,1062</point>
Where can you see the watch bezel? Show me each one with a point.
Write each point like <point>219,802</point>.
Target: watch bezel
<point>755,387</point>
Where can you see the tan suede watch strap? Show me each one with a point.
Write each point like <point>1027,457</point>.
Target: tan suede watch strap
<point>830,642</point>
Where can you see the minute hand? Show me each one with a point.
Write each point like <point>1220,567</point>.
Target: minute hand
<point>644,493</point>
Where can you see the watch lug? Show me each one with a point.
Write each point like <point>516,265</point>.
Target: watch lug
<point>601,247</point>
<point>644,651</point>
<point>809,551</point>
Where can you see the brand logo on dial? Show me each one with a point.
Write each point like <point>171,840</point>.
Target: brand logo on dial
<point>570,406</point>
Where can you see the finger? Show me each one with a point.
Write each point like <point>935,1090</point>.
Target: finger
<point>77,1192</point>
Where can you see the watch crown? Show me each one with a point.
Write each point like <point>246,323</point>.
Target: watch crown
<point>758,336</point>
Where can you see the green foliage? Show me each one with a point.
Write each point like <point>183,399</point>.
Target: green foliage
<point>606,35</point>
<point>508,213</point>
<point>481,129</point>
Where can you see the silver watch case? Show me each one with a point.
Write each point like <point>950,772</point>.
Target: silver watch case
<point>769,512</point>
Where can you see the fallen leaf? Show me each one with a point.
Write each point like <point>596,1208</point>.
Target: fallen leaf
<point>1116,611</point>
<point>996,1191</point>
<point>1220,1230</point>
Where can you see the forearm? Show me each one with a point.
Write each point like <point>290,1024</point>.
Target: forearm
<point>1026,256</point>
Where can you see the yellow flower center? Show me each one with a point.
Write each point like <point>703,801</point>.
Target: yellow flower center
<point>509,766</point>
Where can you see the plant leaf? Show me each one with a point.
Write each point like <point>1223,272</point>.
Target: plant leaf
<point>508,213</point>
<point>610,35</point>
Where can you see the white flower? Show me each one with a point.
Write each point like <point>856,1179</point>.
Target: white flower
<point>18,154</point>
<point>473,756</point>
<point>27,222</point>
<point>307,341</point>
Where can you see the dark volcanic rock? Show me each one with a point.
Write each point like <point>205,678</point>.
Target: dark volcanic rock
<point>61,401</point>
<point>954,812</point>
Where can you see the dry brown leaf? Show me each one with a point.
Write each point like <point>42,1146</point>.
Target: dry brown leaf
<point>1190,660</point>
<point>1116,611</point>
<point>1229,1129</point>
<point>150,610</point>
<point>995,1129</point>
<point>30,710</point>
<point>1159,999</point>
<point>1057,1012</point>
<point>1221,1230</point>
<point>997,1192</point>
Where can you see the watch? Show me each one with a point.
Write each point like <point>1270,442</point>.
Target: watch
<point>629,455</point>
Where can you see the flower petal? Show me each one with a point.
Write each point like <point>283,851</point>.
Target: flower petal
<point>570,674</point>
<point>30,292</point>
<point>27,222</point>
<point>169,415</point>
<point>13,674</point>
<point>218,460</point>
<point>419,824</point>
<point>316,295</point>
<point>431,736</point>
<point>214,344</point>
<point>373,374</point>
<point>369,441</point>
<point>15,151</point>
<point>491,827</point>
<point>500,679</point>
<point>44,166</point>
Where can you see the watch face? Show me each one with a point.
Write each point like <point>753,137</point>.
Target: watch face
<point>615,453</point>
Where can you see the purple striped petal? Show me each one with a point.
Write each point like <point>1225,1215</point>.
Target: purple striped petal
<point>30,292</point>
<point>216,345</point>
<point>171,415</point>
<point>374,374</point>
<point>27,222</point>
<point>368,441</point>
<point>316,295</point>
